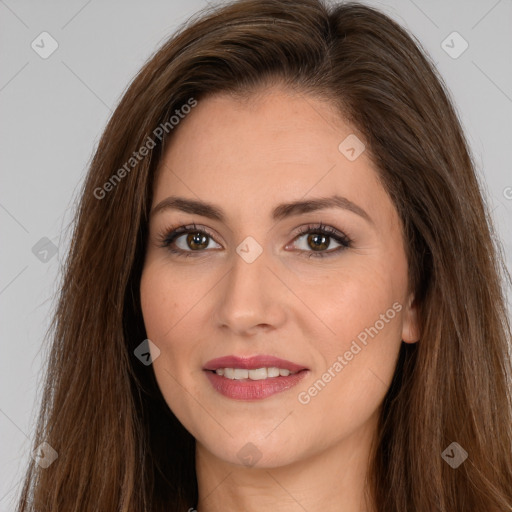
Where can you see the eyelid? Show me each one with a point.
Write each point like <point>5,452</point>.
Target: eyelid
<point>171,233</point>
<point>322,228</point>
<point>341,238</point>
<point>177,230</point>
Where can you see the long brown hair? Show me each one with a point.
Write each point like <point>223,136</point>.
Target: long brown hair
<point>119,446</point>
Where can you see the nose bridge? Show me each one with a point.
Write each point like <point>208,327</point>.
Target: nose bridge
<point>251,295</point>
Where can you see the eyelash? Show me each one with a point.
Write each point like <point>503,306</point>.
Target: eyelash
<point>168,236</point>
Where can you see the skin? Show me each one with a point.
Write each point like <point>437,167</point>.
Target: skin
<point>246,157</point>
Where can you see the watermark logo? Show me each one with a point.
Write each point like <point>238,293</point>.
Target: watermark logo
<point>44,250</point>
<point>249,250</point>
<point>249,454</point>
<point>147,352</point>
<point>44,45</point>
<point>351,147</point>
<point>454,45</point>
<point>44,455</point>
<point>454,455</point>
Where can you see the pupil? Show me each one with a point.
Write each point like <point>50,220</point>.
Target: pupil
<point>314,238</point>
<point>197,239</point>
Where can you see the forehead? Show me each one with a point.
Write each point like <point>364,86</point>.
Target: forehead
<point>275,145</point>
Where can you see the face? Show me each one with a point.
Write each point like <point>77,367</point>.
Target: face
<point>318,290</point>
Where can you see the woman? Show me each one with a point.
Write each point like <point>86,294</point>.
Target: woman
<point>283,290</point>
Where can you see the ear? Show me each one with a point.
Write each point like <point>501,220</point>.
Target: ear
<point>410,324</point>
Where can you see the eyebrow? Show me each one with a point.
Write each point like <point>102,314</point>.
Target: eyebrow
<point>278,213</point>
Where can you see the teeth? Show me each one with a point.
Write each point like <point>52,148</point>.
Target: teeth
<point>229,373</point>
<point>273,372</point>
<point>239,373</point>
<point>259,374</point>
<point>256,374</point>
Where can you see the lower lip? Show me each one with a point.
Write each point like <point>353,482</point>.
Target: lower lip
<point>253,389</point>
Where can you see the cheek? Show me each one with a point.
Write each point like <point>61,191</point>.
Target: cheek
<point>161,313</point>
<point>354,373</point>
<point>167,298</point>
<point>162,310</point>
<point>368,329</point>
<point>168,309</point>
<point>356,362</point>
<point>355,297</point>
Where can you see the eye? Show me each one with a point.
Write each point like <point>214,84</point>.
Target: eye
<point>191,241</point>
<point>319,238</point>
<point>196,240</point>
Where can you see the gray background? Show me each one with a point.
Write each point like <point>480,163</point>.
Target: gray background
<point>53,111</point>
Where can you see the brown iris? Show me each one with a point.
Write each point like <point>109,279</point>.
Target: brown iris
<point>318,246</point>
<point>199,240</point>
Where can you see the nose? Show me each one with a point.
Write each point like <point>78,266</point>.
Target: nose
<point>252,298</point>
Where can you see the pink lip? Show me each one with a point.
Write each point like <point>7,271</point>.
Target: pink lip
<point>253,389</point>
<point>247,389</point>
<point>252,363</point>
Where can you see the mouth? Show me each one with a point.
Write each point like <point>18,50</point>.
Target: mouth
<point>254,374</point>
<point>253,378</point>
<point>253,368</point>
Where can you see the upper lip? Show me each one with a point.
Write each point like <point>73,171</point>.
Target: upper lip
<point>252,363</point>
